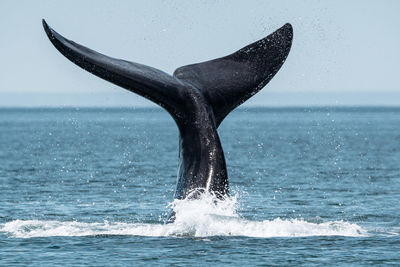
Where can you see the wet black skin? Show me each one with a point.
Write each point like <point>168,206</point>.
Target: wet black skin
<point>197,96</point>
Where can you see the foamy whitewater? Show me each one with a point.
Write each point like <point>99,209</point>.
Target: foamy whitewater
<point>204,217</point>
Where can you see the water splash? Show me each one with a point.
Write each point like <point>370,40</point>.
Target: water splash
<point>204,217</point>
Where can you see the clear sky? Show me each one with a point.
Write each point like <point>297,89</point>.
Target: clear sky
<point>344,52</point>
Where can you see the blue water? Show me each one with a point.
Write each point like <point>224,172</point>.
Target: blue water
<point>94,186</point>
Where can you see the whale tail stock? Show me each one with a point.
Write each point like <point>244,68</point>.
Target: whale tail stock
<point>225,82</point>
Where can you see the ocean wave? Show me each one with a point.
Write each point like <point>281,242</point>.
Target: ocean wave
<point>204,217</point>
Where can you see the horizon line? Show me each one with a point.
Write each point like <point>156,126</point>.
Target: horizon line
<point>242,107</point>
<point>264,99</point>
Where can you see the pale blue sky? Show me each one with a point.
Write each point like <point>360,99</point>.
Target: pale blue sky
<point>344,52</point>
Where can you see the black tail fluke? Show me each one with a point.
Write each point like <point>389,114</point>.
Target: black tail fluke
<point>225,82</point>
<point>229,81</point>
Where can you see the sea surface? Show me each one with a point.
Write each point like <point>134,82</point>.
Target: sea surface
<point>93,187</point>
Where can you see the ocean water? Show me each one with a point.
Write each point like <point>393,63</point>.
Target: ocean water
<point>93,187</point>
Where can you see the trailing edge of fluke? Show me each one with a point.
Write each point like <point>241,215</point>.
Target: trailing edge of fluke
<point>197,96</point>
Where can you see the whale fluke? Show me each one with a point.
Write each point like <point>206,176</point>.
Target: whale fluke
<point>226,82</point>
<point>198,97</point>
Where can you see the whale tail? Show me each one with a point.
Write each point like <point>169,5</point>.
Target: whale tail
<point>198,97</point>
<point>225,82</point>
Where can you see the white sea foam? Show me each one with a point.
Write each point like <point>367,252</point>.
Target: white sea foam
<point>203,217</point>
